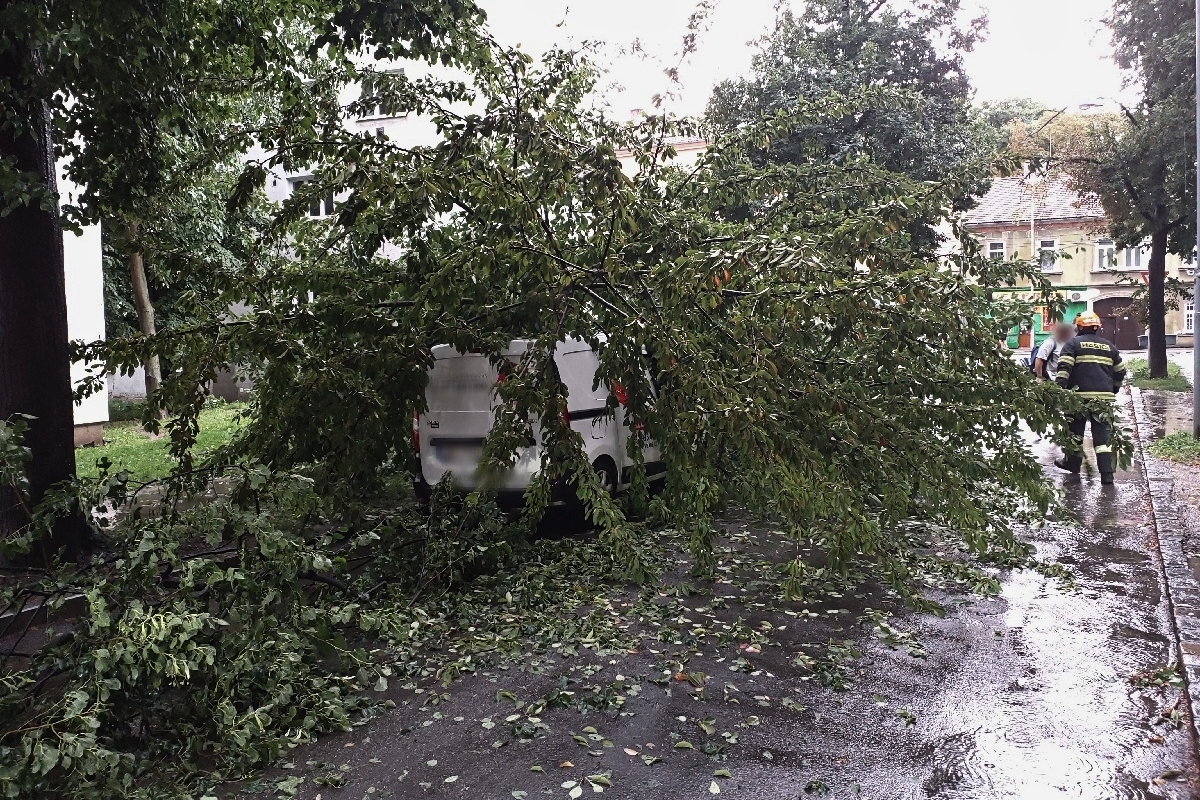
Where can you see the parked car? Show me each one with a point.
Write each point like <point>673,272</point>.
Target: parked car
<point>462,397</point>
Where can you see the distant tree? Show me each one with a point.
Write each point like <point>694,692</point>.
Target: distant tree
<point>1007,121</point>
<point>187,240</point>
<point>1001,113</point>
<point>1142,163</point>
<point>1056,140</point>
<point>839,48</point>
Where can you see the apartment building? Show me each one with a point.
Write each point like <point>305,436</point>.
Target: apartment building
<point>1068,236</point>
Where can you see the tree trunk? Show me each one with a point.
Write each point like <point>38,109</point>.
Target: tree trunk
<point>142,304</point>
<point>35,364</point>
<point>1156,311</point>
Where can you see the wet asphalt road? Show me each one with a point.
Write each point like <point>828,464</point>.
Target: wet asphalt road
<point>1046,709</point>
<point>1026,695</point>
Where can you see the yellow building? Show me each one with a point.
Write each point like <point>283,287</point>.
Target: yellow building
<point>1019,218</point>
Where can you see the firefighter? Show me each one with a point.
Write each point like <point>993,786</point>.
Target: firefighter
<point>1091,366</point>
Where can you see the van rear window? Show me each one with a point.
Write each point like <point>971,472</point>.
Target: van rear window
<point>467,383</point>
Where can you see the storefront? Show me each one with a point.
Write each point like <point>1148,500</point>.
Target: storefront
<point>1038,327</point>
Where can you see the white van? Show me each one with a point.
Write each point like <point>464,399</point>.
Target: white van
<point>461,397</point>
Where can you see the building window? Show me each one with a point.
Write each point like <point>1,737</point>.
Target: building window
<point>1106,254</point>
<point>376,110</point>
<point>1189,317</point>
<point>1048,254</point>
<point>996,251</point>
<point>317,207</point>
<point>1130,258</point>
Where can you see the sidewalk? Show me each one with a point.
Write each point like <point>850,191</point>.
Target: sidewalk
<point>1175,509</point>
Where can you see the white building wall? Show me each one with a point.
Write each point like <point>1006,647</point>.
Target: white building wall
<point>687,152</point>
<point>128,387</point>
<point>85,304</point>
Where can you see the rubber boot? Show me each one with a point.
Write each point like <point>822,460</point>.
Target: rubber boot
<point>1104,463</point>
<point>1107,478</point>
<point>1071,464</point>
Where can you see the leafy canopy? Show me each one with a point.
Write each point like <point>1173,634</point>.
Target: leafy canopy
<point>809,360</point>
<point>839,48</point>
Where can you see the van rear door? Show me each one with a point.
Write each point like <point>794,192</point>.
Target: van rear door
<point>461,398</point>
<point>577,365</point>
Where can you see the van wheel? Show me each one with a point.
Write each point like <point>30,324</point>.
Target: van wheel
<point>606,471</point>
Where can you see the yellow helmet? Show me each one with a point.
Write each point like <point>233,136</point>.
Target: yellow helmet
<point>1088,319</point>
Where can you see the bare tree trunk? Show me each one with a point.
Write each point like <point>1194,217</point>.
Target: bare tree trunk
<point>1156,310</point>
<point>35,363</point>
<point>142,304</point>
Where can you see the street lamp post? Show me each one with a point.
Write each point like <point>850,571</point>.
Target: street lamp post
<point>1196,262</point>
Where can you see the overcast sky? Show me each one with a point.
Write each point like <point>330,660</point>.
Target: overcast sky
<point>1051,50</point>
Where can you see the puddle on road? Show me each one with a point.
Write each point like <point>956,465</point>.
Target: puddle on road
<point>1065,725</point>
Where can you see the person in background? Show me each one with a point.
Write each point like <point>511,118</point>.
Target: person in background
<point>1045,362</point>
<point>1091,366</point>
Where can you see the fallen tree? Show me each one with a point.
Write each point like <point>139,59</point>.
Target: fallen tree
<point>813,366</point>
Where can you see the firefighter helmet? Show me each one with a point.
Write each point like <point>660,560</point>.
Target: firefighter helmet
<point>1088,319</point>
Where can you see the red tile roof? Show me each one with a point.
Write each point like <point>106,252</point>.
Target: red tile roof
<point>1010,199</point>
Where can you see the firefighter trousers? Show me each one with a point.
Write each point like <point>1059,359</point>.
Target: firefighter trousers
<point>1104,456</point>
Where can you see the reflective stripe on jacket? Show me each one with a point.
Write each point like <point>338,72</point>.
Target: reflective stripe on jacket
<point>1091,366</point>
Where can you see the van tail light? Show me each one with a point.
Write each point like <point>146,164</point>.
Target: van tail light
<point>416,432</point>
<point>620,393</point>
<point>566,416</point>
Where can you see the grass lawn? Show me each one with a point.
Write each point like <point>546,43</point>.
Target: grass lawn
<point>1139,375</point>
<point>130,448</point>
<point>1179,447</point>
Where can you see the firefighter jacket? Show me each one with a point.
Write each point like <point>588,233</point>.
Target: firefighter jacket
<point>1091,366</point>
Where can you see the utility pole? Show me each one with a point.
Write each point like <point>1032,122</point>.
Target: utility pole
<point>1196,261</point>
